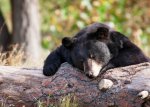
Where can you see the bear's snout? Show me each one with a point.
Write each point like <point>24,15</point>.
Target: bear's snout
<point>92,68</point>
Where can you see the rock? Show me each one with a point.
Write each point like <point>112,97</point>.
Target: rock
<point>105,84</point>
<point>143,94</point>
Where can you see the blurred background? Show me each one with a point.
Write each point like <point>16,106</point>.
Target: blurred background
<point>37,26</point>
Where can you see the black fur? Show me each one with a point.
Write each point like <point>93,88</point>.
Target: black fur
<point>123,51</point>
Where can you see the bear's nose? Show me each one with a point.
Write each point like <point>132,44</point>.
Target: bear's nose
<point>90,75</point>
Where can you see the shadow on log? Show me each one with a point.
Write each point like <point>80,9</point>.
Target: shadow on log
<point>25,86</point>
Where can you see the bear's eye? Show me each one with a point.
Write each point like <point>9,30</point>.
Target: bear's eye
<point>92,56</point>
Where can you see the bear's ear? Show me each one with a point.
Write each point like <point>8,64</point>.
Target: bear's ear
<point>68,42</point>
<point>101,33</point>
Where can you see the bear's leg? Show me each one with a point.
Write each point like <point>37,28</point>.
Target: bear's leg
<point>55,59</point>
<point>52,63</point>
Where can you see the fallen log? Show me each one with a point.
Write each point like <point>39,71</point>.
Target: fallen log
<point>26,86</point>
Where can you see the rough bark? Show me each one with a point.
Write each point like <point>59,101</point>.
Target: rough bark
<point>26,26</point>
<point>5,37</point>
<point>25,86</point>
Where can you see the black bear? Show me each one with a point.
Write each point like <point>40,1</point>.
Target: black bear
<point>123,51</point>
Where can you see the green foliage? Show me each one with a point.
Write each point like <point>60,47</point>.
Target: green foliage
<point>64,18</point>
<point>69,100</point>
<point>5,8</point>
<point>61,18</point>
<point>4,5</point>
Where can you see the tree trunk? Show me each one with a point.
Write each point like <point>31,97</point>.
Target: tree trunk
<point>26,26</point>
<point>5,37</point>
<point>25,86</point>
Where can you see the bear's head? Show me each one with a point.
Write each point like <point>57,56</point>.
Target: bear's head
<point>101,32</point>
<point>90,56</point>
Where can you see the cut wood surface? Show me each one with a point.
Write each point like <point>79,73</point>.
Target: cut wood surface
<point>26,86</point>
